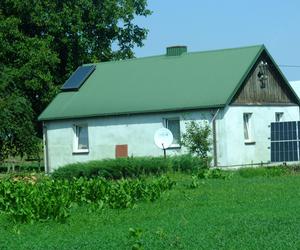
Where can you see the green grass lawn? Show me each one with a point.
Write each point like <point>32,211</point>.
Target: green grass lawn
<point>239,213</point>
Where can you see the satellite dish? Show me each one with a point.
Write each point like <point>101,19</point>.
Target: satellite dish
<point>163,138</point>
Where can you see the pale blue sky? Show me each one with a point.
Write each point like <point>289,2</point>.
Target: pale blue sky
<point>216,24</point>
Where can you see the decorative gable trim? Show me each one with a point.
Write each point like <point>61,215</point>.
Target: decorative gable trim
<point>263,84</point>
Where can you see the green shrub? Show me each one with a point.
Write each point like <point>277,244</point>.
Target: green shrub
<point>263,171</point>
<point>27,199</point>
<point>195,182</point>
<point>130,167</point>
<point>197,138</point>
<point>189,163</point>
<point>214,173</point>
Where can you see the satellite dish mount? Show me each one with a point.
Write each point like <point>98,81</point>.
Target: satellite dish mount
<point>164,149</point>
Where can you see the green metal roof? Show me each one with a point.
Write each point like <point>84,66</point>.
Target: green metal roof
<point>159,83</point>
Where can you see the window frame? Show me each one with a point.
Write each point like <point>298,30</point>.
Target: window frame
<point>76,148</point>
<point>247,123</point>
<point>165,123</point>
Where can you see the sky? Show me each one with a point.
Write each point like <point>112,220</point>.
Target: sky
<point>217,24</point>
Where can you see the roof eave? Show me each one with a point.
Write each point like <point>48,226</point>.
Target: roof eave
<point>40,118</point>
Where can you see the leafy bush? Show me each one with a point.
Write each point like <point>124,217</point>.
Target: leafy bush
<point>215,173</point>
<point>263,171</point>
<point>27,199</point>
<point>188,163</point>
<point>129,167</point>
<point>196,139</point>
<point>195,182</point>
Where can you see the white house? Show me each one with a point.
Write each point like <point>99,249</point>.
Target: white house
<point>113,109</point>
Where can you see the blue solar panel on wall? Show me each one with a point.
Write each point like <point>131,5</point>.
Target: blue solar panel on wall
<point>285,141</point>
<point>76,80</point>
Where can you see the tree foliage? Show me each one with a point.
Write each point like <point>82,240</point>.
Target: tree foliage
<point>197,139</point>
<point>80,31</point>
<point>26,65</point>
<point>16,129</point>
<point>43,41</point>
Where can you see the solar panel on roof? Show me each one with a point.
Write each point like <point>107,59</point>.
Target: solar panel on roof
<point>76,80</point>
<point>285,144</point>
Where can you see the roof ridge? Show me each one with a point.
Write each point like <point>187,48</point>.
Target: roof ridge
<point>185,54</point>
<point>226,49</point>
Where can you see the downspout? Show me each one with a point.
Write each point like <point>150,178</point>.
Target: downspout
<point>214,132</point>
<point>46,154</point>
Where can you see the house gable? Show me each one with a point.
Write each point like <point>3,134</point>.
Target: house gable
<point>264,85</point>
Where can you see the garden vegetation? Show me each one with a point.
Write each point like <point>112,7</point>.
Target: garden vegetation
<point>131,167</point>
<point>250,208</point>
<point>28,199</point>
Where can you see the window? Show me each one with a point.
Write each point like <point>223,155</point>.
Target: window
<point>173,125</point>
<point>278,116</point>
<point>81,142</point>
<point>247,127</point>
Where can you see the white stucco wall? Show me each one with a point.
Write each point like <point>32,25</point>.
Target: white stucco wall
<point>137,131</point>
<point>232,149</point>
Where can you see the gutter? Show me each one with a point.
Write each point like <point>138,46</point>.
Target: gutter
<point>41,118</point>
<point>214,133</point>
<point>46,154</point>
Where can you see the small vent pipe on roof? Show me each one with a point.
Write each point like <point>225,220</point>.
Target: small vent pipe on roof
<point>176,50</point>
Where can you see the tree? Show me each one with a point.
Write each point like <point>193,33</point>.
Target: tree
<point>196,139</point>
<point>26,64</point>
<point>26,86</point>
<point>43,41</point>
<point>17,135</point>
<point>81,31</point>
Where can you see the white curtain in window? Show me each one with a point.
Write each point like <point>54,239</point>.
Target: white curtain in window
<point>82,134</point>
<point>246,126</point>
